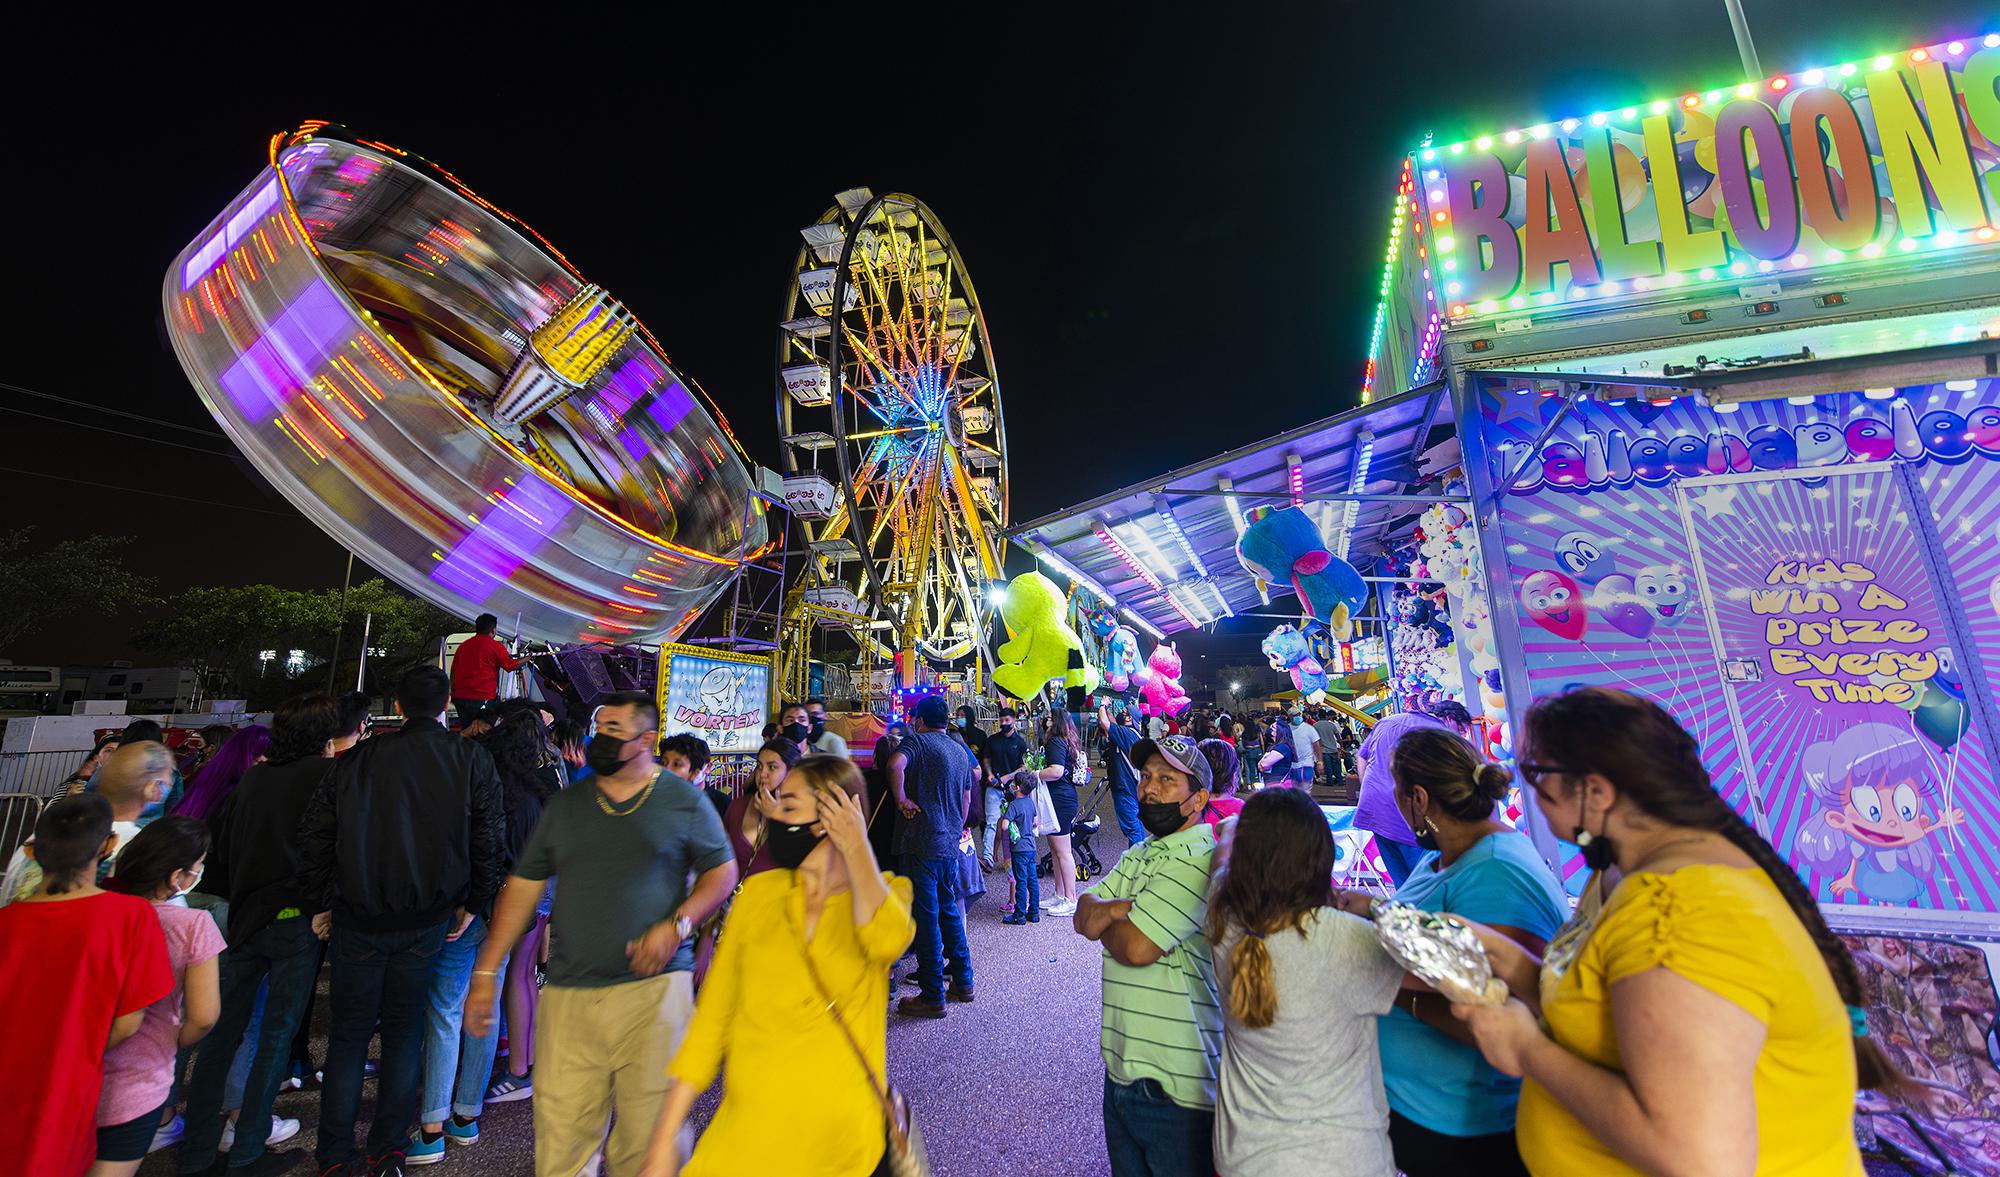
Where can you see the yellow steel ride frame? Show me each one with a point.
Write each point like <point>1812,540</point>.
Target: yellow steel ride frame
<point>916,428</point>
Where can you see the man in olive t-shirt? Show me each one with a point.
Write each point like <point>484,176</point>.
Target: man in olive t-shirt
<point>620,982</point>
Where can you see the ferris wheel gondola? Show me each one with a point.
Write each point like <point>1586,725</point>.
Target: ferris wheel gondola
<point>888,392</point>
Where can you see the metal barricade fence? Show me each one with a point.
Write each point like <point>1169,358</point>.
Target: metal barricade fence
<point>39,773</point>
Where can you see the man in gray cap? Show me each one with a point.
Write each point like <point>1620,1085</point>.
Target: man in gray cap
<point>1162,1020</point>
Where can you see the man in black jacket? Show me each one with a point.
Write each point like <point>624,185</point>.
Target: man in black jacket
<point>403,842</point>
<point>271,941</point>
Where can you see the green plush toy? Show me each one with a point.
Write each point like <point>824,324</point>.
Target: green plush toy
<point>1043,647</point>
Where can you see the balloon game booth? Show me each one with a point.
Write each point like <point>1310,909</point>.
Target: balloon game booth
<point>1698,398</point>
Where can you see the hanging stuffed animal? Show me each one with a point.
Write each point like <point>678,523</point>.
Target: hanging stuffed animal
<point>1161,692</point>
<point>1290,650</point>
<point>1283,545</point>
<point>1041,646</point>
<point>1121,659</point>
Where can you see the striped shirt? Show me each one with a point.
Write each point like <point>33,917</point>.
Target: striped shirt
<point>1163,1022</point>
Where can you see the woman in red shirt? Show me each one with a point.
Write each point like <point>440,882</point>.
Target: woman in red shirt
<point>79,966</point>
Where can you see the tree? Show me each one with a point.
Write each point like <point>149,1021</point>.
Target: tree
<point>38,587</point>
<point>229,627</point>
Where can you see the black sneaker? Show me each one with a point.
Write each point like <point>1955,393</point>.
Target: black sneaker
<point>1016,919</point>
<point>390,1165</point>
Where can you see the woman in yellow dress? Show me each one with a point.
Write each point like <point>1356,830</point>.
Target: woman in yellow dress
<point>765,1015</point>
<point>1701,1019</point>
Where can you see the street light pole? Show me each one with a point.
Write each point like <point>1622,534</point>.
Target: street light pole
<point>1740,25</point>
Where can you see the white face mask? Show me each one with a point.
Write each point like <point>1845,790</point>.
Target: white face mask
<point>181,895</point>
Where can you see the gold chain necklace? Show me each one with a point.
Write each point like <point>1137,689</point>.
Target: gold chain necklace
<point>634,807</point>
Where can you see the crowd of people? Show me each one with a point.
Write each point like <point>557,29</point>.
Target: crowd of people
<point>571,911</point>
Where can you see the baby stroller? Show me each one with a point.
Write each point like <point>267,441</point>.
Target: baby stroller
<point>1086,824</point>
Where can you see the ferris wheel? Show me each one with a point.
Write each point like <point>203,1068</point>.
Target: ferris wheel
<point>889,409</point>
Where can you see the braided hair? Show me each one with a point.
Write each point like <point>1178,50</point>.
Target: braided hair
<point>1280,874</point>
<point>1654,763</point>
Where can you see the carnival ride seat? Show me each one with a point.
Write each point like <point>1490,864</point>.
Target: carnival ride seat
<point>1933,1008</point>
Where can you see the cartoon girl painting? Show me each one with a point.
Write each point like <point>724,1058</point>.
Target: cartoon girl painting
<point>1872,783</point>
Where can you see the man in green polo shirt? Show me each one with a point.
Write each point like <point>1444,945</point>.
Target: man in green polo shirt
<point>1162,1033</point>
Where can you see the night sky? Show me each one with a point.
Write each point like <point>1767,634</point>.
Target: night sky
<point>1174,214</point>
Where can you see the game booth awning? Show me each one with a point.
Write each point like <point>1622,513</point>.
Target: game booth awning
<point>1163,552</point>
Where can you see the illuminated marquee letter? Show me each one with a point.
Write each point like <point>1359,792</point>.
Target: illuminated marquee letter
<point>1913,153</point>
<point>1767,240</point>
<point>1981,79</point>
<point>1622,258</point>
<point>1552,193</point>
<point>1478,191</point>
<point>1854,226</point>
<point>1685,250</point>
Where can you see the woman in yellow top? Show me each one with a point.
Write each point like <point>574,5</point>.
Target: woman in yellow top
<point>1703,1020</point>
<point>762,1013</point>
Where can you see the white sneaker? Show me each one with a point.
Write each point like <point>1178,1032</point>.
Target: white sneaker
<point>1059,907</point>
<point>167,1135</point>
<point>281,1131</point>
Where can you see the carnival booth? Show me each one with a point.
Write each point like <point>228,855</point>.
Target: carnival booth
<point>1703,403</point>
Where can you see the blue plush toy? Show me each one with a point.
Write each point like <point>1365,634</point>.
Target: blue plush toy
<point>1283,545</point>
<point>1290,650</point>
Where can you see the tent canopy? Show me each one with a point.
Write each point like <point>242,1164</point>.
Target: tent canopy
<point>1164,551</point>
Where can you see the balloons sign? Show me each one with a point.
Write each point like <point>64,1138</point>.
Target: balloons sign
<point>1555,602</point>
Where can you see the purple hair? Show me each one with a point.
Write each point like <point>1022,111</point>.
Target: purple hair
<point>219,777</point>
<point>1878,755</point>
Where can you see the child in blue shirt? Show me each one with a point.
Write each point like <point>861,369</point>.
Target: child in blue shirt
<point>1019,819</point>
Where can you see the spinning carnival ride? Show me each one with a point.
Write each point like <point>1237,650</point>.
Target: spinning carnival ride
<point>436,386</point>
<point>894,447</point>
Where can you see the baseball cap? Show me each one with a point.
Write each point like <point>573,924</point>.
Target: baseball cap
<point>1180,752</point>
<point>933,710</point>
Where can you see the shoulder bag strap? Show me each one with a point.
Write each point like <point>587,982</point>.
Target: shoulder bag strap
<point>883,1095</point>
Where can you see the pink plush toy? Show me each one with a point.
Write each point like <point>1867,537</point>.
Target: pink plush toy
<point>1161,693</point>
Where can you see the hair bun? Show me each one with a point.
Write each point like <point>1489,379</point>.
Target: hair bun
<point>1491,780</point>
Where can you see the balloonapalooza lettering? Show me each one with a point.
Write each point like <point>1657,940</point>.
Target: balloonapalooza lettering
<point>1613,459</point>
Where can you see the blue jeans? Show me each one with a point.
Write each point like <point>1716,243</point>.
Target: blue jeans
<point>1125,800</point>
<point>280,963</point>
<point>940,939</point>
<point>1400,858</point>
<point>385,977</point>
<point>1303,776</point>
<point>1149,1135</point>
<point>1027,883</point>
<point>996,803</point>
<point>448,1054</point>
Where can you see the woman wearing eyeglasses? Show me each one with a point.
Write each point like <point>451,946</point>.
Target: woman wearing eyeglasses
<point>1700,1018</point>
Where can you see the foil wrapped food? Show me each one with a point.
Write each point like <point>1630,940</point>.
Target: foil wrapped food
<point>1440,950</point>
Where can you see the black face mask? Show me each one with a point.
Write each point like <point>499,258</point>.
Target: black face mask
<point>795,732</point>
<point>605,754</point>
<point>818,728</point>
<point>1427,838</point>
<point>1162,817</point>
<point>790,845</point>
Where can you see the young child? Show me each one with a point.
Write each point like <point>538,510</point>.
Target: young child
<point>79,966</point>
<point>161,866</point>
<point>1019,820</point>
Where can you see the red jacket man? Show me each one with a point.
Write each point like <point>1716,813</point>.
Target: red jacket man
<point>476,669</point>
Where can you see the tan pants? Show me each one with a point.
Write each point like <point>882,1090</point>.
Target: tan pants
<point>597,1050</point>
